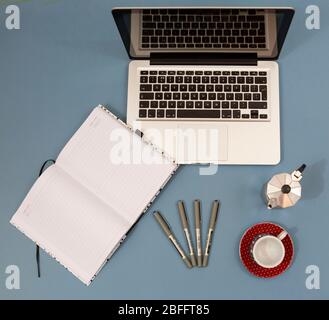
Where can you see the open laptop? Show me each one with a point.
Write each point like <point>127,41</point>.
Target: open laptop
<point>204,82</point>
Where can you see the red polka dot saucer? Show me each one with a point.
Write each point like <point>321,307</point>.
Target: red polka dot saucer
<point>247,241</point>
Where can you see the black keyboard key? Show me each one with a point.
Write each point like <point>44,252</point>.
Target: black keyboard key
<point>165,87</point>
<point>176,96</point>
<point>263,116</point>
<point>236,114</point>
<point>214,80</point>
<point>185,96</point>
<point>205,79</point>
<point>254,114</point>
<point>238,96</point>
<point>189,104</point>
<point>144,104</point>
<point>183,87</point>
<point>144,72</point>
<point>201,87</point>
<point>247,96</point>
<point>154,104</point>
<point>167,96</point>
<point>234,105</point>
<point>198,104</point>
<point>229,96</point>
<point>194,96</point>
<point>203,96</point>
<point>158,95</point>
<point>174,87</point>
<point>180,104</point>
<point>259,39</point>
<point>163,104</point>
<point>256,96</point>
<point>225,105</point>
<point>236,88</point>
<point>243,105</point>
<point>227,88</point>
<point>220,96</point>
<point>143,79</point>
<point>171,104</point>
<point>212,96</point>
<point>207,105</point>
<point>245,116</point>
<point>257,105</point>
<point>149,25</point>
<point>151,113</point>
<point>157,87</point>
<point>160,113</point>
<point>216,105</point>
<point>198,114</point>
<point>142,113</point>
<point>196,79</point>
<point>245,88</point>
<point>170,113</point>
<point>209,88</point>
<point>254,88</point>
<point>226,114</point>
<point>146,96</point>
<point>187,79</point>
<point>260,80</point>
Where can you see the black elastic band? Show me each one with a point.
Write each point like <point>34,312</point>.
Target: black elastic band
<point>37,251</point>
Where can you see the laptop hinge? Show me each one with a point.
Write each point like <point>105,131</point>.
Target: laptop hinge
<point>197,58</point>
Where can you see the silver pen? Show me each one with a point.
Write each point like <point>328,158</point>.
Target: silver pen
<point>165,227</point>
<point>211,229</point>
<point>186,228</point>
<point>197,218</point>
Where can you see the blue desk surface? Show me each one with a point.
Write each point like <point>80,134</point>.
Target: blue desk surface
<point>67,58</point>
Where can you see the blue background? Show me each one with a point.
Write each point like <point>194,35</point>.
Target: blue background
<point>67,58</point>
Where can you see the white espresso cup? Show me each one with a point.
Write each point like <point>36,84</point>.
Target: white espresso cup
<point>268,251</point>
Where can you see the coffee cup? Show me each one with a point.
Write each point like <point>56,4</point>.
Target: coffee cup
<point>268,251</point>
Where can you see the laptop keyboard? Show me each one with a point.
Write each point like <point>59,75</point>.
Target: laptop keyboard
<point>221,28</point>
<point>200,94</point>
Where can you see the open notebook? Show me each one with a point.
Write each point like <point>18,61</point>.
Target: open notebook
<point>81,208</point>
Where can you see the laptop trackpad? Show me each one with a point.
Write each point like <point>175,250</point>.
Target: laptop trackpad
<point>201,143</point>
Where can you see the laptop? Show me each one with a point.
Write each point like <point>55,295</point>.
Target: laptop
<point>203,82</point>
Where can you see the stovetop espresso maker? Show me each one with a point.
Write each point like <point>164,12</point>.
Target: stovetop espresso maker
<point>284,189</point>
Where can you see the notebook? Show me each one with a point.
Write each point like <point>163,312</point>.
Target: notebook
<point>81,208</point>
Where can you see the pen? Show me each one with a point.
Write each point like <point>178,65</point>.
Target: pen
<point>186,228</point>
<point>165,227</point>
<point>211,229</point>
<point>197,218</point>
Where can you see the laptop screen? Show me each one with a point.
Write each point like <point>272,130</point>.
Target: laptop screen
<point>223,30</point>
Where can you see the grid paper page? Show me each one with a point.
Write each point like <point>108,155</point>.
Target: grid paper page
<point>126,187</point>
<point>70,223</point>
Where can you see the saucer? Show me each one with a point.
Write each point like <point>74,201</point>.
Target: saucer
<point>245,250</point>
